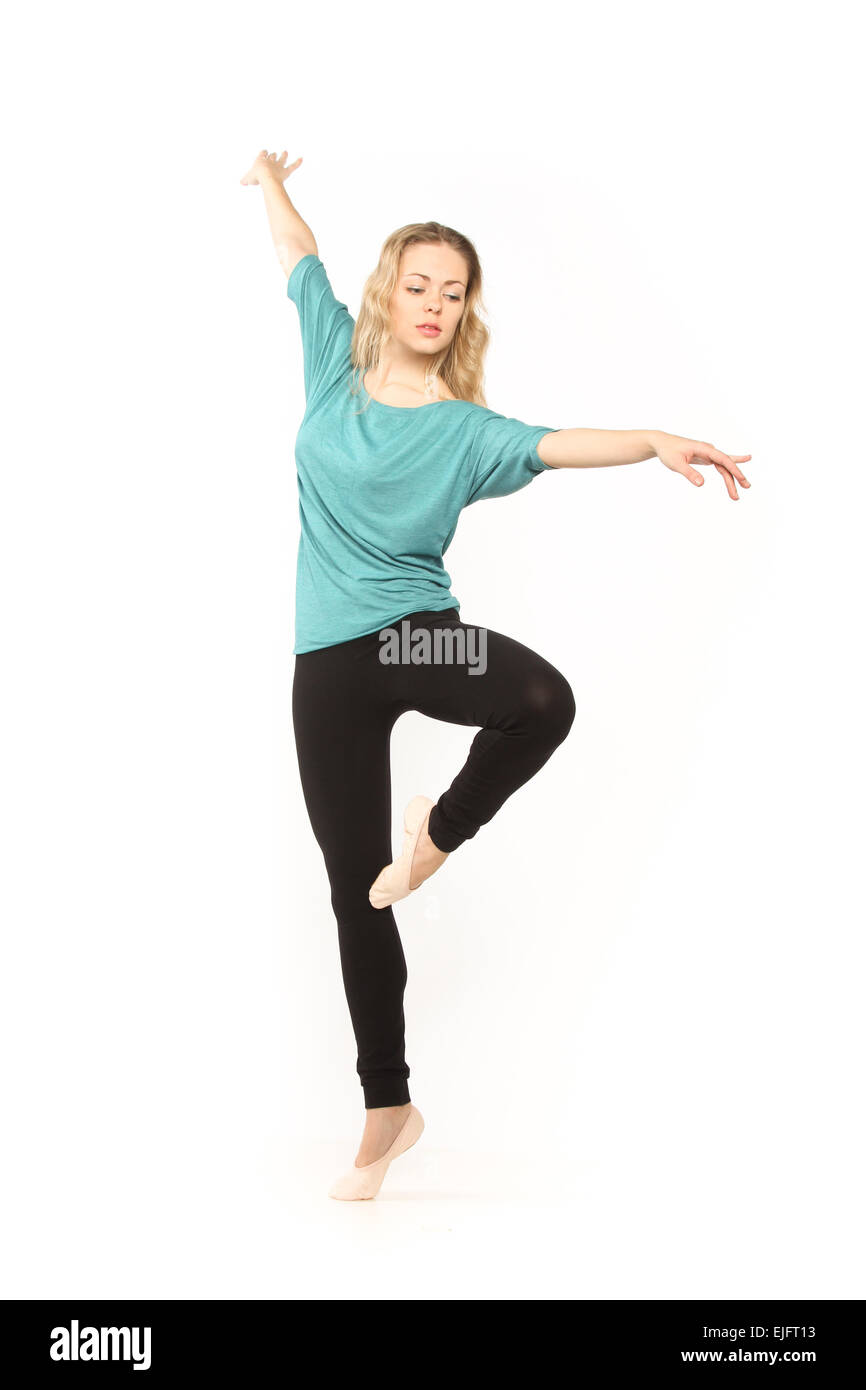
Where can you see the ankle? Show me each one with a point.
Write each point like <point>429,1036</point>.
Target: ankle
<point>382,1113</point>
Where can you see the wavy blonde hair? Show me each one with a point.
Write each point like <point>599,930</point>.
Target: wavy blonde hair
<point>461,364</point>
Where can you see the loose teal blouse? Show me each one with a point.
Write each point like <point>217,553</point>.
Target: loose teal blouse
<point>381,487</point>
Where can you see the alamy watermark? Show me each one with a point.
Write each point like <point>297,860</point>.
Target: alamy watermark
<point>87,1343</point>
<point>434,646</point>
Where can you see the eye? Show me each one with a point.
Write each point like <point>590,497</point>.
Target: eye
<point>416,289</point>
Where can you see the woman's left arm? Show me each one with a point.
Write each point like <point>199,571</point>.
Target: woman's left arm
<point>584,448</point>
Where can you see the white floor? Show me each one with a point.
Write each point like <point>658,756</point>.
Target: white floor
<point>241,1221</point>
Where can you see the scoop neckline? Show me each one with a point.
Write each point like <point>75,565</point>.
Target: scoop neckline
<point>449,400</point>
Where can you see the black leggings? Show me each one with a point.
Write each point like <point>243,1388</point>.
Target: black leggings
<point>345,702</point>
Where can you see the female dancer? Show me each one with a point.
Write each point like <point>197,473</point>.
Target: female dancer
<point>395,441</point>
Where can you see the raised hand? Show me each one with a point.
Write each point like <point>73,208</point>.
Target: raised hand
<point>265,165</point>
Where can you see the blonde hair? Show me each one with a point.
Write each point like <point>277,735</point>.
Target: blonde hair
<point>461,365</point>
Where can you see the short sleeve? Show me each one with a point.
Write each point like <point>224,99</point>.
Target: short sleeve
<point>504,456</point>
<point>326,324</point>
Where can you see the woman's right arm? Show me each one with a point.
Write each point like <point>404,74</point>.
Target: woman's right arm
<point>291,236</point>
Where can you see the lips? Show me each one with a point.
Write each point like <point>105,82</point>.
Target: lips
<point>430,328</point>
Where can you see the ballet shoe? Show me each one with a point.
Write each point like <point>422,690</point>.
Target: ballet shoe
<point>393,882</point>
<point>360,1184</point>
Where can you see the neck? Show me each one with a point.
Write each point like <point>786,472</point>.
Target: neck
<point>405,369</point>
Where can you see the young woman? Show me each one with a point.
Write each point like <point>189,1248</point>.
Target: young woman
<point>395,441</point>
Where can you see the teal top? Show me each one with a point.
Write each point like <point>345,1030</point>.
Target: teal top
<point>380,488</point>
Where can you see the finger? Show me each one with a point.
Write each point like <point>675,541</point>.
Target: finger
<point>738,472</point>
<point>729,482</point>
<point>716,456</point>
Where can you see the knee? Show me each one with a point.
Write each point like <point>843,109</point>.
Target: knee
<point>350,888</point>
<point>551,703</point>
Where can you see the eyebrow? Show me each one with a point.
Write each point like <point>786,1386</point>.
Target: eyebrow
<point>427,277</point>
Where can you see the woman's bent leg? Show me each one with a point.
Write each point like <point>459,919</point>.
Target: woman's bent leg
<point>342,737</point>
<point>523,705</point>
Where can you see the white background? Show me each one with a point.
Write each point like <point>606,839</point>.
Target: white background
<point>634,1010</point>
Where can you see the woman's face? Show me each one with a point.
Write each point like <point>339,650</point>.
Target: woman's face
<point>431,290</point>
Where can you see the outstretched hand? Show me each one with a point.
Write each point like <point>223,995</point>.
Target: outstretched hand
<point>681,454</point>
<point>265,164</point>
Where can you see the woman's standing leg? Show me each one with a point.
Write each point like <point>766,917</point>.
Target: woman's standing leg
<point>342,730</point>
